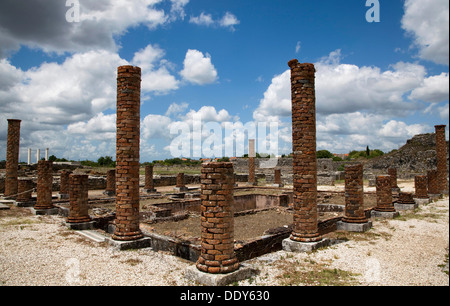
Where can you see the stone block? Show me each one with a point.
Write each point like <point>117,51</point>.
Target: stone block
<point>354,227</point>
<point>304,247</point>
<point>207,279</point>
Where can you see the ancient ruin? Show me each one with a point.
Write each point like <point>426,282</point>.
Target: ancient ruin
<point>12,158</point>
<point>127,207</point>
<point>127,154</point>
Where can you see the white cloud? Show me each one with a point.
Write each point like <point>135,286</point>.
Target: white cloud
<point>42,24</point>
<point>203,19</point>
<point>434,89</point>
<point>176,109</point>
<point>99,127</point>
<point>428,22</point>
<point>198,68</point>
<point>155,126</point>
<point>229,20</point>
<point>298,47</point>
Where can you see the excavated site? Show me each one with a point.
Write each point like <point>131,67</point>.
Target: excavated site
<point>229,212</point>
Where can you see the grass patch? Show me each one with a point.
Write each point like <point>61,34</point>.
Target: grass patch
<point>19,222</point>
<point>132,261</point>
<point>312,273</point>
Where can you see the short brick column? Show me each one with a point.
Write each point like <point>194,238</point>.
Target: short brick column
<point>277,178</point>
<point>441,155</point>
<point>354,194</point>
<point>64,184</point>
<point>180,183</point>
<point>433,186</point>
<point>393,174</point>
<point>44,185</point>
<point>12,158</point>
<point>127,154</point>
<point>110,183</point>
<point>217,220</point>
<point>420,183</point>
<point>384,194</point>
<point>149,186</point>
<point>405,201</point>
<point>25,190</point>
<point>251,171</point>
<point>304,151</point>
<point>78,195</point>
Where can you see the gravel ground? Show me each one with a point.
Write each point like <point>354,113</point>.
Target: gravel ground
<point>410,250</point>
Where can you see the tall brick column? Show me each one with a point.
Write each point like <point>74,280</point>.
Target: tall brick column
<point>25,190</point>
<point>420,183</point>
<point>110,182</point>
<point>384,194</point>
<point>393,174</point>
<point>78,194</point>
<point>354,194</point>
<point>441,154</point>
<point>433,185</point>
<point>217,252</point>
<point>64,184</point>
<point>149,186</point>
<point>44,185</point>
<point>304,151</point>
<point>12,158</point>
<point>127,154</point>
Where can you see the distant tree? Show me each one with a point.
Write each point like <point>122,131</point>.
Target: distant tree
<point>324,154</point>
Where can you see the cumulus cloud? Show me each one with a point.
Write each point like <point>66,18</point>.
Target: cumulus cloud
<point>198,68</point>
<point>42,24</point>
<point>427,21</point>
<point>433,89</point>
<point>229,20</point>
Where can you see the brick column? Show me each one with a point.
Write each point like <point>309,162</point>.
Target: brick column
<point>149,186</point>
<point>217,221</point>
<point>12,158</point>
<point>180,180</point>
<point>384,194</point>
<point>44,185</point>
<point>25,190</point>
<point>78,194</point>
<point>420,183</point>
<point>127,154</point>
<point>354,195</point>
<point>64,184</point>
<point>251,171</point>
<point>277,178</point>
<point>393,174</point>
<point>304,151</point>
<point>110,182</point>
<point>441,155</point>
<point>433,185</point>
<point>405,198</point>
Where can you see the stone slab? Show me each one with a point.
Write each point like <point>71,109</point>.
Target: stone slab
<point>384,214</point>
<point>92,235</point>
<point>207,279</point>
<point>130,245</point>
<point>41,212</point>
<point>304,247</point>
<point>399,206</point>
<point>25,204</point>
<point>180,189</point>
<point>422,201</point>
<point>354,227</point>
<point>4,207</point>
<point>84,226</point>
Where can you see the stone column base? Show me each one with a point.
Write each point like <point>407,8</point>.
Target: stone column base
<point>304,247</point>
<point>180,189</point>
<point>130,245</point>
<point>401,206</point>
<point>354,227</point>
<point>207,279</point>
<point>84,226</point>
<point>48,212</point>
<point>420,201</point>
<point>63,196</point>
<point>384,214</point>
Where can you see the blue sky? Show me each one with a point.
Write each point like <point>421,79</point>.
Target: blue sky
<point>377,84</point>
